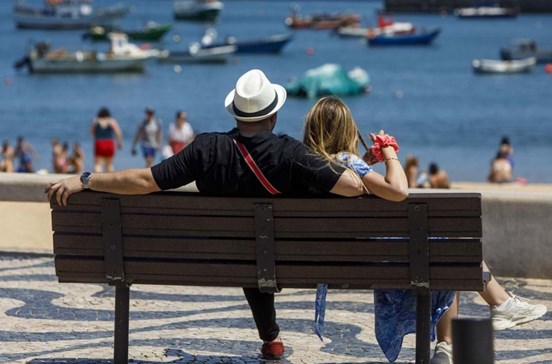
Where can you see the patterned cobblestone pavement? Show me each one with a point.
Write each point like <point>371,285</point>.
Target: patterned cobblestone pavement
<point>45,322</point>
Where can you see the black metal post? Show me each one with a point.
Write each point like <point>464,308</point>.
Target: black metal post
<point>472,341</point>
<point>122,298</point>
<point>423,325</point>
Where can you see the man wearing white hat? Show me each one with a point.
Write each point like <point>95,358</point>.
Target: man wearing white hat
<point>249,160</point>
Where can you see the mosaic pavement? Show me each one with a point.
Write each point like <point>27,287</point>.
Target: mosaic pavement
<point>44,322</point>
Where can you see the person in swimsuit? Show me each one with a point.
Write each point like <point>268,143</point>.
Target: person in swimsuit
<point>150,136</point>
<point>106,131</point>
<point>180,132</point>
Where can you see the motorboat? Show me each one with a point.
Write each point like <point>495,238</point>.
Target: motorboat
<point>491,66</point>
<point>67,14</point>
<point>151,32</point>
<point>423,37</point>
<point>526,48</point>
<point>322,20</point>
<point>198,10</point>
<point>386,25</point>
<point>329,79</point>
<point>196,53</point>
<point>122,56</point>
<point>485,12</point>
<point>270,44</point>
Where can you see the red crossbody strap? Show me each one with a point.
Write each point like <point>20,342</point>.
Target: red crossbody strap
<point>255,169</point>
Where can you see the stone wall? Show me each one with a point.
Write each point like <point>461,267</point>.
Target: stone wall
<point>517,225</point>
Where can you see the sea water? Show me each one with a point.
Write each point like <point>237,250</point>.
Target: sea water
<point>427,97</point>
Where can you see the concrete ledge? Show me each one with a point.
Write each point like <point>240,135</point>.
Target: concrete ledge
<point>517,222</point>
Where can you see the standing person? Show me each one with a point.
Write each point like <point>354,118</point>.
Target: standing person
<point>25,154</point>
<point>216,163</point>
<point>105,130</point>
<point>8,154</point>
<point>438,178</point>
<point>150,135</point>
<point>180,132</point>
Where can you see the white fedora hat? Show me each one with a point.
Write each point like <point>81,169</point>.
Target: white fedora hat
<point>254,97</point>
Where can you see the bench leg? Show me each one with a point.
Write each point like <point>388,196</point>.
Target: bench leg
<point>423,322</point>
<point>122,298</point>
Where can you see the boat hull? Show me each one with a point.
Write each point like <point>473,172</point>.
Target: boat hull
<point>153,34</point>
<point>491,66</point>
<point>541,56</point>
<point>43,66</point>
<point>195,11</point>
<point>204,55</point>
<point>36,18</point>
<point>404,39</point>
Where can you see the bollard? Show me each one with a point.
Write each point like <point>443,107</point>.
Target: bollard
<point>472,341</point>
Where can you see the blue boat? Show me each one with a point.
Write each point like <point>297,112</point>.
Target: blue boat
<point>420,38</point>
<point>271,44</point>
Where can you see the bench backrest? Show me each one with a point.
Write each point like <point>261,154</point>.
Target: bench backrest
<point>432,239</point>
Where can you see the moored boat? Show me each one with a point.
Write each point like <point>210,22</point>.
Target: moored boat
<point>271,44</point>
<point>121,57</point>
<point>197,10</point>
<point>196,53</point>
<point>490,66</point>
<point>526,48</point>
<point>321,21</point>
<point>386,25</point>
<point>151,32</point>
<point>66,14</point>
<point>417,38</point>
<point>485,12</point>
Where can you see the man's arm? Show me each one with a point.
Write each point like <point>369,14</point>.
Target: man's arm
<point>125,182</point>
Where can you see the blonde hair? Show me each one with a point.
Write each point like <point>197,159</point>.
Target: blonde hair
<point>330,128</point>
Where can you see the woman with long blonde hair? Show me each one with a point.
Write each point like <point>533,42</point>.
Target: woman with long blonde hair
<point>331,131</point>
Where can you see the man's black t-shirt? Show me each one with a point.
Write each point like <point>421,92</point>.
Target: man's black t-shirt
<point>215,163</point>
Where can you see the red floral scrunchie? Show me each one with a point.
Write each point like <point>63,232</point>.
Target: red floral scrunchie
<point>383,141</point>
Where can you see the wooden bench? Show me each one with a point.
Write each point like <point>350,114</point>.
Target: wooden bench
<point>432,240</point>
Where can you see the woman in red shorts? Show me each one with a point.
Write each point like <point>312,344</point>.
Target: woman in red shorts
<point>105,131</point>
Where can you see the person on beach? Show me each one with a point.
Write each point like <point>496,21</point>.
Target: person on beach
<point>77,159</point>
<point>106,131</point>
<point>25,153</point>
<point>150,136</point>
<point>180,132</point>
<point>501,169</point>
<point>411,170</point>
<point>438,178</point>
<point>216,163</point>
<point>507,150</point>
<point>8,155</point>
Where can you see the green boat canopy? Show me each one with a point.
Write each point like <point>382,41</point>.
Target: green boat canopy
<point>330,79</point>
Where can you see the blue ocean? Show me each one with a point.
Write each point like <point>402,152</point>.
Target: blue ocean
<point>427,97</point>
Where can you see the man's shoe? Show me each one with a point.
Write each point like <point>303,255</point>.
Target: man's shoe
<point>515,311</point>
<point>273,350</point>
<point>443,353</point>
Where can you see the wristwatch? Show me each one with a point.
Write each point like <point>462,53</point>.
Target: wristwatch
<point>85,180</point>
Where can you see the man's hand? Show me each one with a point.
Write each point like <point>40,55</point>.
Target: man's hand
<point>63,189</point>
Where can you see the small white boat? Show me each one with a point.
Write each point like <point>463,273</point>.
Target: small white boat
<point>197,10</point>
<point>485,12</point>
<point>506,67</point>
<point>386,25</point>
<point>66,14</point>
<point>121,57</point>
<point>198,54</point>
